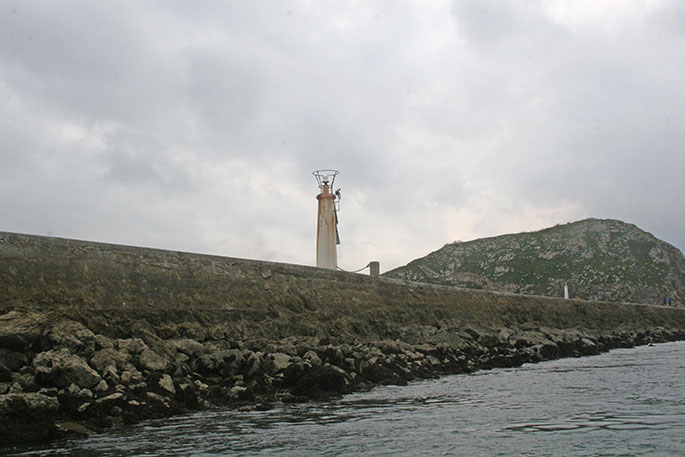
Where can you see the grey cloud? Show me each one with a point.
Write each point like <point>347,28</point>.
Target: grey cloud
<point>197,127</point>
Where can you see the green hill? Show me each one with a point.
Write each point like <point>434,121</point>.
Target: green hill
<point>605,260</point>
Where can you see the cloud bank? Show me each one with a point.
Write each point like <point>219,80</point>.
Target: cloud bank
<point>197,126</point>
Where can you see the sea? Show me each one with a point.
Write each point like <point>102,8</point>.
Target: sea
<point>627,402</point>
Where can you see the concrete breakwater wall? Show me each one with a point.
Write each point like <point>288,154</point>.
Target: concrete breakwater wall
<point>94,335</point>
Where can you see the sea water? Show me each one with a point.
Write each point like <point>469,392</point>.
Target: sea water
<point>623,403</point>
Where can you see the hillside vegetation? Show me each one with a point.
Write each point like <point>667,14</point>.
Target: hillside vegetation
<point>605,260</point>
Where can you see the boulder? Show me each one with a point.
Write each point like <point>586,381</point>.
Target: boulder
<point>238,393</point>
<point>102,342</point>
<point>275,363</point>
<point>313,358</point>
<point>334,355</point>
<point>20,330</point>
<point>27,417</point>
<point>166,383</point>
<point>109,357</point>
<point>5,373</point>
<point>13,360</point>
<point>133,346</point>
<point>110,398</point>
<point>206,364</point>
<point>73,336</point>
<point>390,347</point>
<point>131,376</point>
<point>26,379</point>
<point>102,386</point>
<point>150,360</point>
<point>189,347</point>
<point>61,368</point>
<point>73,430</point>
<point>321,381</point>
<point>159,400</point>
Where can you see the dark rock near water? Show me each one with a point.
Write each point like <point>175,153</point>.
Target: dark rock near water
<point>27,417</point>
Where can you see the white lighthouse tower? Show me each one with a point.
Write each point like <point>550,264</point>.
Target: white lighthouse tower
<point>327,229</point>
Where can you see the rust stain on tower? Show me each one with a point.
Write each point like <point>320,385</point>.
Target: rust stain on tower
<point>327,229</point>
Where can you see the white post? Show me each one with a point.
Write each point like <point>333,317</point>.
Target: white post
<point>566,290</point>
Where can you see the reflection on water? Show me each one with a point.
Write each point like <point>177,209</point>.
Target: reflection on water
<point>626,402</point>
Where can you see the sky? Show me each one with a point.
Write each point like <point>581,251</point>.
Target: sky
<point>196,126</point>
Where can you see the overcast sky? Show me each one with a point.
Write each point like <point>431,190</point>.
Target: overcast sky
<point>195,126</point>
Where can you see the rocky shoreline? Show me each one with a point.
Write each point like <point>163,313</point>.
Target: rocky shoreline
<point>61,379</point>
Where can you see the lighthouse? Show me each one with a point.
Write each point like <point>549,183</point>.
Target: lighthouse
<point>327,224</point>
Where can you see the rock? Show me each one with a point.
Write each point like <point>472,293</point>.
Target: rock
<point>164,401</point>
<point>131,376</point>
<point>101,387</point>
<point>26,417</point>
<point>489,340</point>
<point>433,360</point>
<point>189,347</point>
<point>102,342</point>
<point>73,389</point>
<point>166,383</point>
<point>218,362</point>
<point>530,338</point>
<point>285,347</point>
<point>49,391</point>
<point>313,358</point>
<point>62,368</point>
<point>13,360</point>
<point>334,355</point>
<point>111,374</point>
<point>20,330</point>
<point>253,362</point>
<point>73,336</point>
<point>192,330</point>
<point>110,398</point>
<point>321,381</point>
<point>150,360</point>
<point>73,429</point>
<point>206,364</point>
<point>588,346</point>
<point>275,363</point>
<point>109,357</point>
<point>133,346</point>
<point>5,373</point>
<point>240,393</point>
<point>85,393</point>
<point>379,374</point>
<point>390,347</point>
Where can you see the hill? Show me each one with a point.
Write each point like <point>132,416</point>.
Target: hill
<point>605,260</point>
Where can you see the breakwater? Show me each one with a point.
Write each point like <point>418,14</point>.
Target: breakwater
<point>95,335</point>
